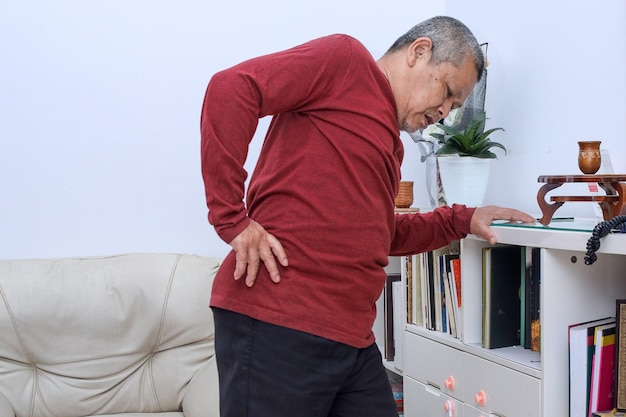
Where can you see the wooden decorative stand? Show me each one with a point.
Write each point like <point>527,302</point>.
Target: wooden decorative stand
<point>612,203</point>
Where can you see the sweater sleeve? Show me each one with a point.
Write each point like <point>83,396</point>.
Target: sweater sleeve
<point>417,232</point>
<point>236,98</point>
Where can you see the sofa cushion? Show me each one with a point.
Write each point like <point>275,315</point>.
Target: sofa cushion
<point>6,409</point>
<point>106,335</point>
<point>168,414</point>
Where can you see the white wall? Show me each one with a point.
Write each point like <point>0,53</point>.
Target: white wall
<point>557,75</point>
<point>100,104</point>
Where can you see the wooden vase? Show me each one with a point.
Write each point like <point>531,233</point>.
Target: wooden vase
<point>589,157</point>
<point>405,195</point>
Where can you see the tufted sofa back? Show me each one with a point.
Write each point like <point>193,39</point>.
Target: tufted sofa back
<point>121,334</point>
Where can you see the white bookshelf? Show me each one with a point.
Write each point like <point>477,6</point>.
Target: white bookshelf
<point>515,381</point>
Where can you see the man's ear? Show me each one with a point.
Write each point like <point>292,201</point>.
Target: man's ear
<point>420,48</point>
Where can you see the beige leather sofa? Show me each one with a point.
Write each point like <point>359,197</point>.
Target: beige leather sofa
<point>120,335</point>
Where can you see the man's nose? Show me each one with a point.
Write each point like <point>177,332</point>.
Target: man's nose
<point>445,108</point>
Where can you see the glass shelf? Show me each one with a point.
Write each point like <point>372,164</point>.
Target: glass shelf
<point>558,223</point>
<point>561,233</point>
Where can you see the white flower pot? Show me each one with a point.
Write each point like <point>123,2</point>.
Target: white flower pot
<point>464,179</point>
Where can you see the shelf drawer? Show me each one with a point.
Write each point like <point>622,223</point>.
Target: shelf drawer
<point>434,364</point>
<point>423,400</point>
<point>506,392</point>
<point>469,411</point>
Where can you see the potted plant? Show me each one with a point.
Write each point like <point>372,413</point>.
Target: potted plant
<point>464,160</point>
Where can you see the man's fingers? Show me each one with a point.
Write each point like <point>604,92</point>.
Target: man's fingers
<point>252,270</point>
<point>272,268</point>
<point>277,250</point>
<point>241,264</point>
<point>269,253</point>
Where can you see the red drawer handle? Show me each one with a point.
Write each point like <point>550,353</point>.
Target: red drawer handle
<point>449,383</point>
<point>481,398</point>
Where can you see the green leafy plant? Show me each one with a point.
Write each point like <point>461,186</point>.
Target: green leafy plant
<point>471,141</point>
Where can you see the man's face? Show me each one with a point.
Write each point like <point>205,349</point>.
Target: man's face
<point>431,91</point>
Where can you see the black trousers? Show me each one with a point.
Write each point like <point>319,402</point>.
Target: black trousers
<point>271,371</point>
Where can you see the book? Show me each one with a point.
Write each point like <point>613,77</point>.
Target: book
<point>398,324</point>
<point>608,413</point>
<point>602,365</point>
<point>524,336</point>
<point>417,299</point>
<point>440,276</point>
<point>432,269</point>
<point>449,306</point>
<point>413,305</point>
<point>438,294</point>
<point>456,273</point>
<point>620,354</point>
<point>407,275</point>
<point>503,267</point>
<point>451,293</point>
<point>455,286</point>
<point>535,335</point>
<point>580,351</point>
<point>389,344</point>
<point>535,313</point>
<point>430,285</point>
<point>531,280</point>
<point>423,273</point>
<point>530,307</point>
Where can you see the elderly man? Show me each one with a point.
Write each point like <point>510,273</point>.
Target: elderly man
<point>294,302</point>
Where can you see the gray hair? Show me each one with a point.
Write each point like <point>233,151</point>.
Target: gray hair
<point>452,42</point>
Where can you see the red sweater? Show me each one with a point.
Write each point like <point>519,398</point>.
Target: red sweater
<point>324,185</point>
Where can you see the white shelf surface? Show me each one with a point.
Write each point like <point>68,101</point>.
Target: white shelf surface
<point>514,357</point>
<point>575,235</point>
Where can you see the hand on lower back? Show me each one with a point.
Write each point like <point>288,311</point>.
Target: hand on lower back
<point>256,248</point>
